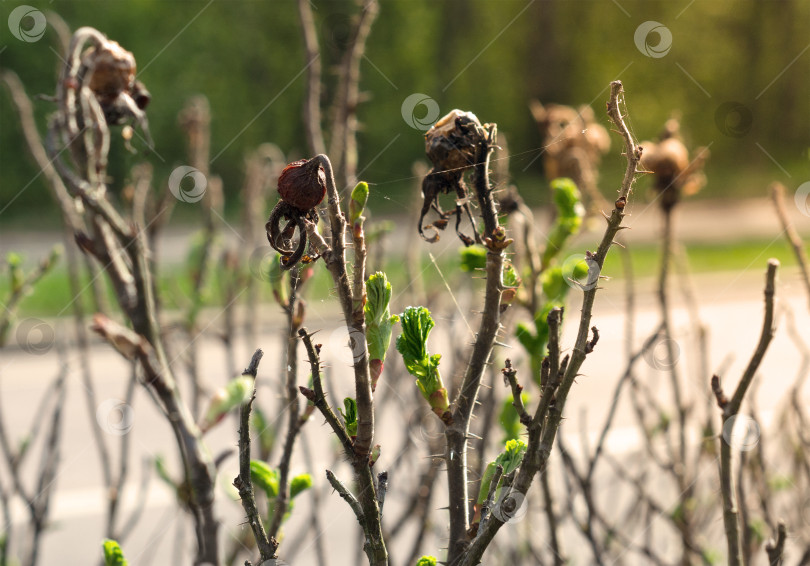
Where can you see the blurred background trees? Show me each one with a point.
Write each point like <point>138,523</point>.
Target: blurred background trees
<point>247,57</point>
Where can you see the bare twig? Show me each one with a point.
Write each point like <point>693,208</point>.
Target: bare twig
<point>510,374</point>
<point>457,432</point>
<point>334,254</point>
<point>776,548</point>
<point>544,427</point>
<point>343,141</point>
<point>312,106</point>
<point>121,247</point>
<point>316,395</point>
<point>242,482</point>
<point>37,501</point>
<point>730,408</point>
<point>295,315</point>
<point>778,196</point>
<point>348,497</point>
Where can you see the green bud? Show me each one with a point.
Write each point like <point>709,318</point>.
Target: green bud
<point>570,213</point>
<point>375,454</point>
<point>510,459</point>
<point>13,259</point>
<point>358,201</point>
<point>379,323</point>
<point>236,392</point>
<point>512,456</point>
<point>426,561</point>
<point>486,482</point>
<point>567,198</point>
<point>264,477</point>
<point>412,344</point>
<point>113,555</point>
<point>300,484</point>
<point>350,416</point>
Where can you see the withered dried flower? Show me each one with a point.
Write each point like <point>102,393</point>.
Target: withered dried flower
<point>668,160</point>
<point>451,146</point>
<point>573,145</point>
<point>112,79</point>
<point>302,186</point>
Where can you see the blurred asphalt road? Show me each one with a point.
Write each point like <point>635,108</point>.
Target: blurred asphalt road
<point>697,221</point>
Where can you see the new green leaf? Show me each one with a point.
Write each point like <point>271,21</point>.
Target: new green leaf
<point>412,344</point>
<point>236,392</point>
<point>512,456</point>
<point>358,201</point>
<point>350,415</point>
<point>509,418</point>
<point>113,555</point>
<point>570,212</point>
<point>379,323</point>
<point>510,459</point>
<point>300,484</point>
<point>264,477</point>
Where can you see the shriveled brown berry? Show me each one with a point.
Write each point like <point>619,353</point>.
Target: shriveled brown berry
<point>113,70</point>
<point>302,184</point>
<point>449,144</point>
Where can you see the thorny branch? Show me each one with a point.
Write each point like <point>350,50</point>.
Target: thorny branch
<point>242,482</point>
<point>731,408</point>
<point>74,222</point>
<point>343,142</point>
<point>312,105</point>
<point>82,124</point>
<point>38,500</point>
<point>546,421</point>
<point>778,196</point>
<point>334,255</point>
<point>458,429</point>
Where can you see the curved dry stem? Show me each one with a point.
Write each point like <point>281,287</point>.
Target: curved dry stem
<point>545,424</point>
<point>730,408</point>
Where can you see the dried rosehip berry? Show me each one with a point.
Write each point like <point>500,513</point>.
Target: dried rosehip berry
<point>302,184</point>
<point>113,71</point>
<point>450,143</point>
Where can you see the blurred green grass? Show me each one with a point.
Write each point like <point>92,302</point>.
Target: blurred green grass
<point>52,296</point>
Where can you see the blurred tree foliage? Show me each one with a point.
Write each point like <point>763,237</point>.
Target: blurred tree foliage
<point>488,56</point>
